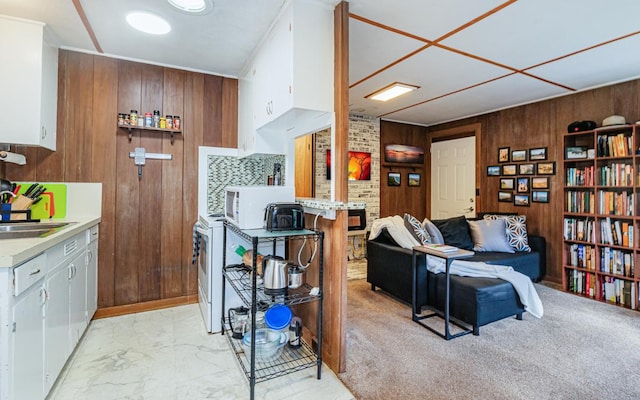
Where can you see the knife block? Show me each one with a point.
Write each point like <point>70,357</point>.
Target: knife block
<point>20,203</point>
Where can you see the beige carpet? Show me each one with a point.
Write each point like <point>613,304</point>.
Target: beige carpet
<point>580,349</point>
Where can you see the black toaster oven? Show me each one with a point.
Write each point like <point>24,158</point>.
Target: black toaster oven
<point>284,217</point>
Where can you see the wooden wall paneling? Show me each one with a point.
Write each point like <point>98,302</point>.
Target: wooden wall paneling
<point>104,135</point>
<point>78,119</point>
<point>173,190</point>
<point>625,101</point>
<point>193,136</point>
<point>213,111</point>
<point>229,112</point>
<point>127,217</point>
<point>150,221</point>
<point>397,200</point>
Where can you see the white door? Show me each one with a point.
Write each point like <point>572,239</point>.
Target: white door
<point>453,178</point>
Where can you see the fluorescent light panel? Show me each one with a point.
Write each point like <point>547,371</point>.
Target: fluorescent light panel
<point>392,91</point>
<point>148,23</point>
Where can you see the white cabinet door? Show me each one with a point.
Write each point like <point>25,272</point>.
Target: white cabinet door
<point>56,344</point>
<point>27,338</point>
<point>280,56</point>
<point>77,298</point>
<point>92,280</point>
<point>29,82</point>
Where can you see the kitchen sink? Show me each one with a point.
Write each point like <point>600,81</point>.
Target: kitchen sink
<point>30,229</point>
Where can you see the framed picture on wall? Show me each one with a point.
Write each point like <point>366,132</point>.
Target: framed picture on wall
<point>537,154</point>
<point>526,169</point>
<point>540,183</point>
<point>523,185</point>
<point>393,179</point>
<point>413,179</point>
<point>546,168</point>
<point>518,155</point>
<point>521,200</point>
<point>493,170</point>
<point>503,154</point>
<point>540,196</point>
<point>509,169</point>
<point>505,196</point>
<point>506,183</point>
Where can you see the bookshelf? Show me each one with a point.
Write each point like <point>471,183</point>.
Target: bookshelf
<point>601,215</point>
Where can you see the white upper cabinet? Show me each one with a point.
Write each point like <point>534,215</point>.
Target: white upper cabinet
<point>288,91</point>
<point>29,82</point>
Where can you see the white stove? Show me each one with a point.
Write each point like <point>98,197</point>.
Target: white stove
<point>211,230</point>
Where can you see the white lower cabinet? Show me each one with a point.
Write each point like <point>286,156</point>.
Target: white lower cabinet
<point>46,304</point>
<point>27,344</point>
<point>77,299</point>
<point>56,327</point>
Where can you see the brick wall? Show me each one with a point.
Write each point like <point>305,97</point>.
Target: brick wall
<point>364,135</point>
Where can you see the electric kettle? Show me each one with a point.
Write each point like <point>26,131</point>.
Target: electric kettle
<point>239,321</point>
<point>274,275</point>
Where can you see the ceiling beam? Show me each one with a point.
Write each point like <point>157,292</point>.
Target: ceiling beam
<point>87,25</point>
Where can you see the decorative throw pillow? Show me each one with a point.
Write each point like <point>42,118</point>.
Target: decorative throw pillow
<point>455,232</point>
<point>434,232</point>
<point>516,226</point>
<point>416,229</point>
<point>490,235</point>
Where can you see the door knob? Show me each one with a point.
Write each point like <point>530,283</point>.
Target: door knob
<point>468,209</point>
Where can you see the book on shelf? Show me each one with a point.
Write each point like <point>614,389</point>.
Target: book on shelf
<point>440,247</point>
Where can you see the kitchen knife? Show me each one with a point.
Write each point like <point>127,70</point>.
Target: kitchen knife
<point>36,194</point>
<point>30,189</point>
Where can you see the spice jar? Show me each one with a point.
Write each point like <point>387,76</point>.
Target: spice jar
<point>163,123</point>
<point>169,119</point>
<point>148,120</point>
<point>133,118</point>
<point>120,119</point>
<point>126,120</point>
<point>176,122</point>
<point>156,119</point>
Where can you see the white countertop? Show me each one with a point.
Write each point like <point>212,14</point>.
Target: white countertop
<point>16,251</point>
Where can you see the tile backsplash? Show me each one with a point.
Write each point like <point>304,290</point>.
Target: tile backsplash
<point>224,171</point>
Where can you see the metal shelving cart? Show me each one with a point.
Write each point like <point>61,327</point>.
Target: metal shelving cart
<point>250,290</point>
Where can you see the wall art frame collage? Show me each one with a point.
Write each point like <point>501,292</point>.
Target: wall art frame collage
<point>523,175</point>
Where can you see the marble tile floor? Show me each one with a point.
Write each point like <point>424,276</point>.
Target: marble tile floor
<point>167,355</point>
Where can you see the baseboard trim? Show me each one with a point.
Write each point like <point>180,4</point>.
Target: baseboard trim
<point>145,306</point>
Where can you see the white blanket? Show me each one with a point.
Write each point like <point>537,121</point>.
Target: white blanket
<point>521,283</point>
<point>396,228</point>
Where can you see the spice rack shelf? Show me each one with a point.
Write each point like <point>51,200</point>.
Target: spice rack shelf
<point>144,128</point>
<point>251,291</point>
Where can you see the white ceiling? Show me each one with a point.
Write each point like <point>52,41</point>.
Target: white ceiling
<point>475,57</point>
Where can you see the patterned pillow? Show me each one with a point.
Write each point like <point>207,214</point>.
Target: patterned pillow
<point>416,229</point>
<point>516,226</point>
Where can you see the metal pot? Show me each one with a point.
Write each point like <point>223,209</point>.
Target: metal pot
<point>296,276</point>
<point>274,275</point>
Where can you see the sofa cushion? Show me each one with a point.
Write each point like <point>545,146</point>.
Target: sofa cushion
<point>516,226</point>
<point>416,229</point>
<point>489,235</point>
<point>455,232</point>
<point>434,232</point>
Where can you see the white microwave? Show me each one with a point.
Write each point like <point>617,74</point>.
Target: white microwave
<point>244,206</point>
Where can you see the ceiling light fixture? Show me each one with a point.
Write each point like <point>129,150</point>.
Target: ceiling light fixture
<point>148,23</point>
<point>192,6</point>
<point>392,91</point>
